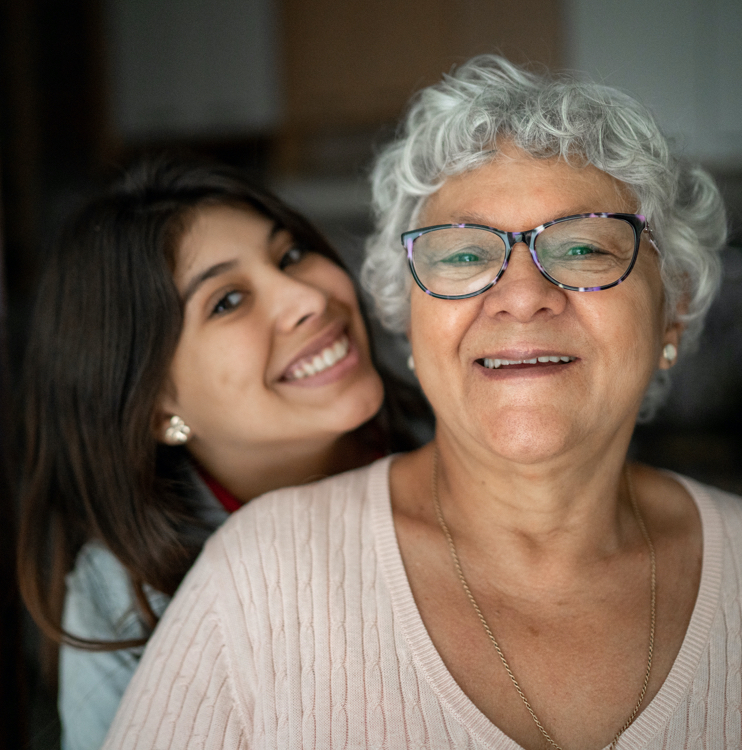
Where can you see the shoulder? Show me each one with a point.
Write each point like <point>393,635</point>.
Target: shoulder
<point>283,511</point>
<point>296,527</point>
<point>720,513</point>
<point>726,505</point>
<point>99,600</point>
<point>98,594</point>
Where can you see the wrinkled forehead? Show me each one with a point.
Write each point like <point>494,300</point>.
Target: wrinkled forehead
<point>515,191</point>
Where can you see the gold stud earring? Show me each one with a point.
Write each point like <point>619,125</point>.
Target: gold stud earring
<point>670,353</point>
<point>178,432</point>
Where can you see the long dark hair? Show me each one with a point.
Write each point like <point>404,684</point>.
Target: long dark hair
<point>104,330</point>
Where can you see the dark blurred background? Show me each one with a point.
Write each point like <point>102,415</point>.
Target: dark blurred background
<point>301,92</point>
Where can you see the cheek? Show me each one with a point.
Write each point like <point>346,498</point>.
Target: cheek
<point>437,330</point>
<point>208,370</point>
<point>629,328</point>
<point>323,274</point>
<point>338,287</point>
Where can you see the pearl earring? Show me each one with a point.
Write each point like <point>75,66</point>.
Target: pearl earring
<point>670,353</point>
<point>178,432</point>
<point>411,363</point>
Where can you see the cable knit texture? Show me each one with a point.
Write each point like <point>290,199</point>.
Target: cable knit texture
<point>297,629</point>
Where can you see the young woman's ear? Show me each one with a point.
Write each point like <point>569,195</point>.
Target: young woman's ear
<point>173,431</point>
<point>169,427</point>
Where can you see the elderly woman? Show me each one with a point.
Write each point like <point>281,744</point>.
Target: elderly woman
<point>516,583</point>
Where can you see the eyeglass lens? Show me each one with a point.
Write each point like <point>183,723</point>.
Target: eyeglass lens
<point>583,252</point>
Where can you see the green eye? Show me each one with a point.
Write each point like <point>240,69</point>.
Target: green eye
<point>579,250</point>
<point>462,258</point>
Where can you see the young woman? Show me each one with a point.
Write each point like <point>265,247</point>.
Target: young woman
<point>195,343</point>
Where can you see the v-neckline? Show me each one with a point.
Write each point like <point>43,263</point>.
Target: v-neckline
<point>425,655</point>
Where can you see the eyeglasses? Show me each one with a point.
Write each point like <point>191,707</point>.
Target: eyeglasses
<point>581,253</point>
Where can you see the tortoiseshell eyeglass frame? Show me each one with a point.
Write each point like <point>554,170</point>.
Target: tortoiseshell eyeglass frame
<point>637,222</point>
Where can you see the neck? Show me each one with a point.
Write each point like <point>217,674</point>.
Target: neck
<point>247,473</point>
<point>574,505</point>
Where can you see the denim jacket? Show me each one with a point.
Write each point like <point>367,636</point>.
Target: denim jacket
<point>99,604</point>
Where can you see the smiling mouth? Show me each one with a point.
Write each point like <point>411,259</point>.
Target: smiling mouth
<point>323,360</point>
<point>552,359</point>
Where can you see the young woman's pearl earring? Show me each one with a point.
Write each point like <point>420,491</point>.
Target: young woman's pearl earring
<point>670,353</point>
<point>178,432</point>
<point>411,363</point>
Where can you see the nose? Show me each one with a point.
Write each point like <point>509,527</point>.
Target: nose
<point>295,301</point>
<point>522,292</point>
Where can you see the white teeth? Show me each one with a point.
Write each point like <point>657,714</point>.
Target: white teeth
<point>329,356</point>
<point>495,364</point>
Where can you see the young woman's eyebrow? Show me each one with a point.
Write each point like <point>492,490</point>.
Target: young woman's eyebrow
<point>208,273</point>
<point>219,268</point>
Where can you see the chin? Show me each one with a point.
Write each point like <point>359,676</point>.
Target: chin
<point>361,404</point>
<point>529,437</point>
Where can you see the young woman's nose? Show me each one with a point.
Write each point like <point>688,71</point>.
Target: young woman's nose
<point>522,291</point>
<point>296,301</point>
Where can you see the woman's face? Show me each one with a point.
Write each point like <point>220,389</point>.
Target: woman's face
<point>273,351</point>
<point>529,413</point>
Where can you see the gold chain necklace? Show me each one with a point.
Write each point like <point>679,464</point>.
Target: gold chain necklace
<point>490,635</point>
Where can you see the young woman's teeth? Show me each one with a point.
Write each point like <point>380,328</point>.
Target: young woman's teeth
<point>494,364</point>
<point>329,356</point>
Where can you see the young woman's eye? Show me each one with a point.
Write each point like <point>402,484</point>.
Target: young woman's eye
<point>228,302</point>
<point>291,256</point>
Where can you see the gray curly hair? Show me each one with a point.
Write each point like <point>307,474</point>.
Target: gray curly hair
<point>454,126</point>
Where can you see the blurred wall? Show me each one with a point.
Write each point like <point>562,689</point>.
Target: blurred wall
<point>192,68</point>
<point>313,74</point>
<point>683,58</point>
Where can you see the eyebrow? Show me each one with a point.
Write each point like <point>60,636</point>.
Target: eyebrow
<point>220,268</point>
<point>205,275</point>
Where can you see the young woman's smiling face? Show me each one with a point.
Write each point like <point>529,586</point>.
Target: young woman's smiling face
<point>273,354</point>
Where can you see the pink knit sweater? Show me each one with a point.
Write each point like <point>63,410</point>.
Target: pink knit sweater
<point>297,628</point>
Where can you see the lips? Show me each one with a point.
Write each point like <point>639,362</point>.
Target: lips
<point>496,363</point>
<point>323,353</point>
<point>313,364</point>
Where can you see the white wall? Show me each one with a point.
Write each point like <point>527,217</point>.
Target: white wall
<point>203,67</point>
<point>683,58</point>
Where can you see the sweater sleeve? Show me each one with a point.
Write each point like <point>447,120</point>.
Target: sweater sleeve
<point>183,694</point>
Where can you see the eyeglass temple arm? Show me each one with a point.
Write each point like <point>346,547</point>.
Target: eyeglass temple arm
<point>650,235</point>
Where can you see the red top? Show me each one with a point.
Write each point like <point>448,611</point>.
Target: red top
<point>222,494</point>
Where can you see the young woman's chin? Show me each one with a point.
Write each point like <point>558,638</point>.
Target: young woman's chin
<point>358,403</point>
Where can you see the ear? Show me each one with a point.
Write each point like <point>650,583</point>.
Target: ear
<point>673,336</point>
<point>168,425</point>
